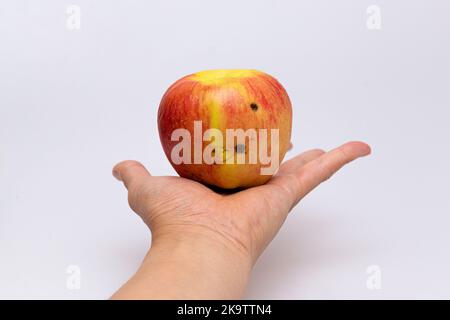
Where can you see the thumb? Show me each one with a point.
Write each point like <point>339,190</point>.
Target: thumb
<point>130,172</point>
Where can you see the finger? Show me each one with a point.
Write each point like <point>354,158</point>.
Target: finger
<point>321,169</point>
<point>290,146</point>
<point>298,181</point>
<point>130,172</point>
<point>298,161</point>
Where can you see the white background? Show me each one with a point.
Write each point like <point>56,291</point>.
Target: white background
<point>75,102</point>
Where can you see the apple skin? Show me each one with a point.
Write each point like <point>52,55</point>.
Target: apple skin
<point>225,99</point>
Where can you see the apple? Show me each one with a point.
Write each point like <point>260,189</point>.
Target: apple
<point>226,128</point>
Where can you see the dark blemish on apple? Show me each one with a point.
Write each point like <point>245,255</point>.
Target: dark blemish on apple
<point>254,106</point>
<point>240,148</point>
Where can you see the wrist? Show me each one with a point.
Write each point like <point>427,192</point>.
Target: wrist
<point>200,238</point>
<point>199,263</point>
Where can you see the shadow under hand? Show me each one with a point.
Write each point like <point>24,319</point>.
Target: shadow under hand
<point>302,254</point>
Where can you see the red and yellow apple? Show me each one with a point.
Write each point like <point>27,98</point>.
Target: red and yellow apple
<point>224,99</point>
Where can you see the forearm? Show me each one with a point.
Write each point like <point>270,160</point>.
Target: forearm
<point>189,266</point>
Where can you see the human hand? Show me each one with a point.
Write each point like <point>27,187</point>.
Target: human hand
<point>207,242</point>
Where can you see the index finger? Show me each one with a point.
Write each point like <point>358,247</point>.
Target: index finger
<point>322,168</point>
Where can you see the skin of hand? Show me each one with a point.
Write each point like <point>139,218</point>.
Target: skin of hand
<point>204,244</point>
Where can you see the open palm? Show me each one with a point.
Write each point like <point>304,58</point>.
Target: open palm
<point>248,219</point>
